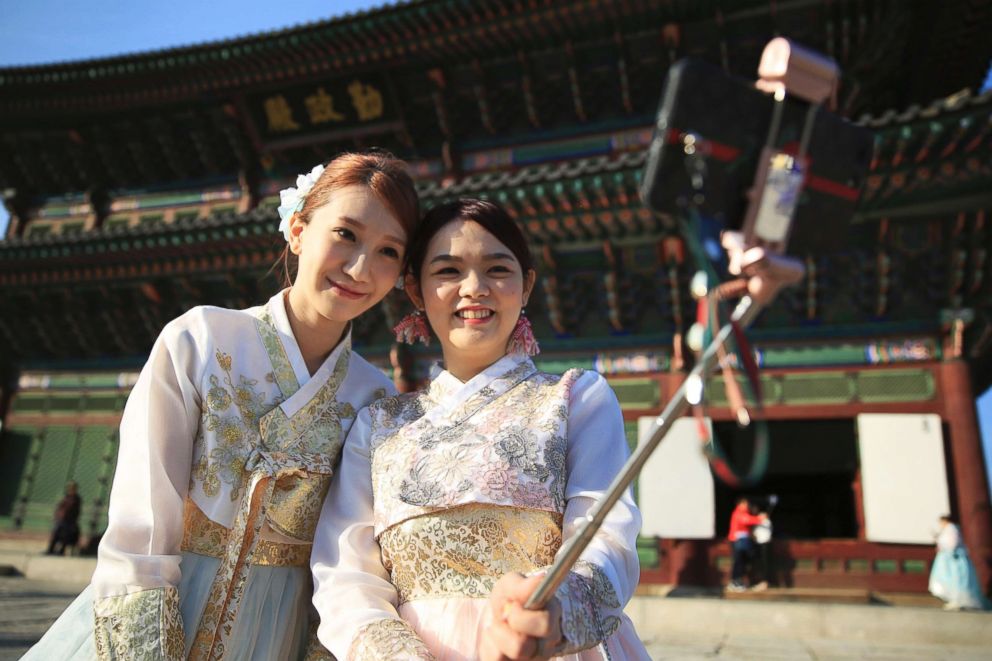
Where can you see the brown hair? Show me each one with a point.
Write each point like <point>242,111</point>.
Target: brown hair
<point>493,218</point>
<point>381,172</point>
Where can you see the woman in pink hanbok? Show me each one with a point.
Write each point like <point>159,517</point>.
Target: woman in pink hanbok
<point>451,501</point>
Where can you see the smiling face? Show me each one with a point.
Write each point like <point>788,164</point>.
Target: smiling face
<point>350,255</point>
<point>472,289</point>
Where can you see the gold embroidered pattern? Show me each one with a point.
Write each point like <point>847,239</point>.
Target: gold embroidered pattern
<point>282,369</point>
<point>286,476</point>
<point>461,552</point>
<point>590,607</point>
<point>203,536</point>
<point>145,626</point>
<point>317,426</point>
<point>388,639</point>
<point>235,430</point>
<point>296,502</point>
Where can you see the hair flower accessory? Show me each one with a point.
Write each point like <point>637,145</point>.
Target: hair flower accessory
<point>291,199</point>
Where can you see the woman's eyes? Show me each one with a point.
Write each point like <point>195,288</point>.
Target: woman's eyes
<point>347,235</point>
<point>497,269</point>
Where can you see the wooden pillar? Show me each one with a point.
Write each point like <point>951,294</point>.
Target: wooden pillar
<point>971,486</point>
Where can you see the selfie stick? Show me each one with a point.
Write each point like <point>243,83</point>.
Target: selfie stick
<point>813,78</point>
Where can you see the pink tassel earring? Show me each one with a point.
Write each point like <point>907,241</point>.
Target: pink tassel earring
<point>412,328</point>
<point>522,340</point>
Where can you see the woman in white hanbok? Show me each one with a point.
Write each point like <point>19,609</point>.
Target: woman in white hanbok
<point>953,577</point>
<point>449,502</point>
<point>229,439</point>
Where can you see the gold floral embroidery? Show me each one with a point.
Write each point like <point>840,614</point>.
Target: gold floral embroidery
<point>143,626</point>
<point>282,369</point>
<point>462,551</point>
<point>388,639</point>
<point>203,536</point>
<point>295,505</point>
<point>305,446</point>
<point>590,607</point>
<point>234,431</point>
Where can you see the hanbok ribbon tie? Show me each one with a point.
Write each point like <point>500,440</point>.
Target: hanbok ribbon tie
<point>283,487</point>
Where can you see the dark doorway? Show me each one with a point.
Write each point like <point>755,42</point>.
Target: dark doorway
<point>811,469</point>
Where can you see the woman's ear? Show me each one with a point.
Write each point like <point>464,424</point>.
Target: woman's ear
<point>412,287</point>
<point>296,227</point>
<point>529,279</point>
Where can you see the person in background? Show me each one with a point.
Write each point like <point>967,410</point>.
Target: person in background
<point>742,545</point>
<point>66,532</point>
<point>403,362</point>
<point>762,535</point>
<point>953,576</point>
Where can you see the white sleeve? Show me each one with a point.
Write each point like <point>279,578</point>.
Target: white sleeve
<point>353,594</point>
<point>137,570</point>
<point>604,579</point>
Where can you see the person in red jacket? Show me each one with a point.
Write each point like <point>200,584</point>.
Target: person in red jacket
<point>741,522</point>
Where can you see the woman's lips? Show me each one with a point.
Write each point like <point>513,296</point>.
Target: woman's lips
<point>344,292</point>
<point>475,316</point>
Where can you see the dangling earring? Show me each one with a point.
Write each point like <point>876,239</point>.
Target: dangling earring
<point>413,328</point>
<point>522,340</point>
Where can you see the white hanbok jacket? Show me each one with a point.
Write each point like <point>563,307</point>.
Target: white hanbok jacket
<point>227,446</point>
<point>442,492</point>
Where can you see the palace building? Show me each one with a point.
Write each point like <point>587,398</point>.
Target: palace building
<point>142,185</point>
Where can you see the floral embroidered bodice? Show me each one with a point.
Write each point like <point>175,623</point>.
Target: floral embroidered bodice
<point>499,439</point>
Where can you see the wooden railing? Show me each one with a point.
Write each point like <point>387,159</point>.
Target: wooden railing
<point>839,563</point>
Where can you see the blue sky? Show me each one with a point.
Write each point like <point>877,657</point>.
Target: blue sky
<point>44,31</point>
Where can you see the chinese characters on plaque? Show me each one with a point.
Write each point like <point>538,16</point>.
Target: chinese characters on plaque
<point>331,105</point>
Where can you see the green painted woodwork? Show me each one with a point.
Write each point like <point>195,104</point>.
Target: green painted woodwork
<point>771,389</point>
<point>29,403</point>
<point>647,551</point>
<point>636,393</point>
<point>884,566</point>
<point>110,403</point>
<point>817,388</point>
<point>630,431</point>
<point>909,385</point>
<point>36,463</point>
<point>65,403</point>
<point>563,364</point>
<point>838,354</point>
<point>857,566</point>
<point>835,387</point>
<point>57,452</point>
<point>915,566</point>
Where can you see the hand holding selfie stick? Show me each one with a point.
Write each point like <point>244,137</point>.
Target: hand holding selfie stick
<point>753,255</point>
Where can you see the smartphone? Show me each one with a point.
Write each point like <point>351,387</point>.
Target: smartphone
<point>712,136</point>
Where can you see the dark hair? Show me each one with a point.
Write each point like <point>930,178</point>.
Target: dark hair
<point>493,218</point>
<point>381,172</point>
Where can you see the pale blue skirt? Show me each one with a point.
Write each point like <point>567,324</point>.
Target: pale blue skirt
<point>272,624</point>
<point>953,579</point>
